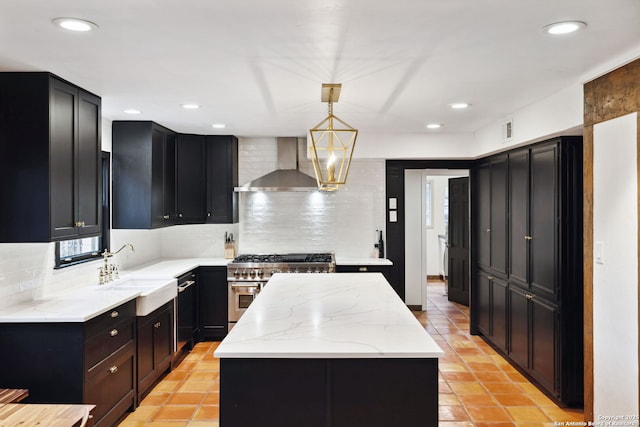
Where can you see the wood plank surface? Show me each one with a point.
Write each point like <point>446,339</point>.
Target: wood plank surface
<point>12,395</point>
<point>17,414</point>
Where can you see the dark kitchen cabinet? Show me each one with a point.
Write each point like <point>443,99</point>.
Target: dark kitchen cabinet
<point>144,175</point>
<point>541,292</point>
<point>222,178</point>
<point>89,362</point>
<point>386,270</point>
<point>491,214</point>
<point>154,347</point>
<point>213,303</point>
<point>534,337</point>
<point>533,234</point>
<point>49,162</point>
<point>191,174</point>
<point>492,308</point>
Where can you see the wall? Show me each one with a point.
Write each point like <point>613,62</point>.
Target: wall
<point>615,280</point>
<point>343,222</point>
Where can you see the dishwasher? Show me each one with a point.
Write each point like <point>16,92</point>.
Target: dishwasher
<point>186,314</point>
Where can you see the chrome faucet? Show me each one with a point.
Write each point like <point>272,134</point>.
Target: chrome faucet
<point>110,271</point>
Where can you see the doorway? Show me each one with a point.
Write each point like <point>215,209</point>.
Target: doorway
<point>427,220</point>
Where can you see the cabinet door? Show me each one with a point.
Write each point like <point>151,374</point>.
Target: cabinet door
<point>88,165</point>
<point>169,178</point>
<point>519,216</point>
<point>157,178</point>
<point>544,223</point>
<point>499,214</point>
<point>144,349</point>
<point>483,293</point>
<point>518,326</point>
<point>499,313</point>
<point>213,302</point>
<point>222,177</point>
<point>191,179</point>
<point>544,343</point>
<point>163,339</point>
<point>483,217</point>
<point>63,127</point>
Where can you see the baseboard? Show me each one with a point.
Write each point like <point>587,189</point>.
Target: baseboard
<point>415,307</point>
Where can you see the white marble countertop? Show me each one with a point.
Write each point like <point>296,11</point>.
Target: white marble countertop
<point>346,315</point>
<point>86,302</point>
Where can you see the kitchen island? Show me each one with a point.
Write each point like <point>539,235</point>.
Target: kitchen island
<point>328,350</point>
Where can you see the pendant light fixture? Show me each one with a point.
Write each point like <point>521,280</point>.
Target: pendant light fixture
<point>332,143</point>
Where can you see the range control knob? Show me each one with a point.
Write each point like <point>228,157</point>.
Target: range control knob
<point>252,273</point>
<point>236,273</point>
<point>260,273</point>
<point>244,273</point>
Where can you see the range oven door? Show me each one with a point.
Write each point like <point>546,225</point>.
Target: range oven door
<point>241,295</point>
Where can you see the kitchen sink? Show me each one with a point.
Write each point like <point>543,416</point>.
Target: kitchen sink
<point>153,292</point>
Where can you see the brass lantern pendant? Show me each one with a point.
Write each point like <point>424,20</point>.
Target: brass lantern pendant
<point>332,143</point>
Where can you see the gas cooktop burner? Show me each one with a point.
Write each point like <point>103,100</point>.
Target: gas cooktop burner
<point>285,258</point>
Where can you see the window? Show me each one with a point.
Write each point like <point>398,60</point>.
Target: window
<point>71,252</point>
<point>446,208</point>
<point>428,200</point>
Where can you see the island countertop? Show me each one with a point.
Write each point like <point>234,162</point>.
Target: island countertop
<point>346,315</point>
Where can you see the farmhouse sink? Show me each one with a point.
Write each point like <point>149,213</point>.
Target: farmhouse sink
<point>153,292</point>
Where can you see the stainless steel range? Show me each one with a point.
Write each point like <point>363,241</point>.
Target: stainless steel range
<point>248,274</point>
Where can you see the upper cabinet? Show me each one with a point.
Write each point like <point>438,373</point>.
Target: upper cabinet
<point>49,159</point>
<point>222,177</point>
<point>161,178</point>
<point>191,179</point>
<point>144,175</point>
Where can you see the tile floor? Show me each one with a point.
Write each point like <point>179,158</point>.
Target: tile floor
<point>478,388</point>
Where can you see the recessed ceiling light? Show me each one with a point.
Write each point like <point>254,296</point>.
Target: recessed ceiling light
<point>218,126</point>
<point>459,105</point>
<point>75,24</point>
<point>434,126</point>
<point>190,106</point>
<point>132,111</point>
<point>564,27</point>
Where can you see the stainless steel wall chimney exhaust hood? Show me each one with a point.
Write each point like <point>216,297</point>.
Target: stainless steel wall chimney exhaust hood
<point>287,177</point>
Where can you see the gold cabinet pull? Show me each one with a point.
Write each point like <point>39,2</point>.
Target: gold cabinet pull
<point>165,216</point>
<point>488,230</point>
<point>113,369</point>
<point>156,325</point>
<point>114,314</point>
<point>490,277</point>
<point>363,269</point>
<point>529,296</point>
<point>113,332</point>
<point>208,213</point>
<point>528,238</point>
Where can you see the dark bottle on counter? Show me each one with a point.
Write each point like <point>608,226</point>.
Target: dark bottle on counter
<point>380,244</point>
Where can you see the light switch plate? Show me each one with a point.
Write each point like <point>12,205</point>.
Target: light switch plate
<point>598,252</point>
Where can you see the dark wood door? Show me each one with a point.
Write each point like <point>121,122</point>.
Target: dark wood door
<point>63,122</point>
<point>213,302</point>
<point>498,228</point>
<point>163,339</point>
<point>543,244</point>
<point>519,219</point>
<point>157,178</point>
<point>483,215</point>
<point>458,283</point>
<point>518,326</point>
<point>169,193</point>
<point>544,343</point>
<point>222,177</point>
<point>89,198</point>
<point>191,179</point>
<point>483,298</point>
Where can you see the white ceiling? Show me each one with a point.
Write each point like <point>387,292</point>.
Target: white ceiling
<point>258,65</point>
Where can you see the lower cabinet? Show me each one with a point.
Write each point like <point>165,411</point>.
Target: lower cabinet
<point>213,303</point>
<point>492,313</point>
<point>89,362</point>
<point>154,347</point>
<point>533,337</point>
<point>386,270</point>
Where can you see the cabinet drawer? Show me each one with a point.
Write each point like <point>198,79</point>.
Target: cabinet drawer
<point>111,381</point>
<point>107,340</point>
<point>110,318</point>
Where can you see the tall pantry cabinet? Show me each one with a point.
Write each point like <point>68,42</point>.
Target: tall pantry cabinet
<point>527,303</point>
